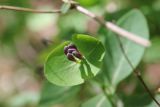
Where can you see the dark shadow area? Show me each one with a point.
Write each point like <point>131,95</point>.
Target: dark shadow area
<point>85,69</point>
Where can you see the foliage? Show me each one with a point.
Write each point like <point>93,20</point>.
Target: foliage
<point>116,66</point>
<point>34,46</point>
<point>59,70</point>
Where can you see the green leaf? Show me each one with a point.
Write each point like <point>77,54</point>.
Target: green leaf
<point>138,100</point>
<point>52,94</point>
<point>153,104</point>
<point>22,100</point>
<point>88,2</point>
<point>152,54</point>
<point>67,28</point>
<point>65,7</point>
<point>97,101</point>
<point>116,66</point>
<point>60,71</point>
<point>90,47</point>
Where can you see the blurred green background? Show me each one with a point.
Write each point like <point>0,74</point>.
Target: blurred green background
<point>26,39</point>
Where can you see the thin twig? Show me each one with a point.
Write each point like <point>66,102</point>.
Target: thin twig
<point>122,33</point>
<point>137,73</point>
<point>127,34</point>
<point>108,25</point>
<point>109,97</point>
<point>4,7</point>
<point>137,39</point>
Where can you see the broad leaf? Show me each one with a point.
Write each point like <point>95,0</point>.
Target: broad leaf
<point>116,66</point>
<point>153,104</point>
<point>152,54</point>
<point>97,101</point>
<point>91,48</point>
<point>52,94</point>
<point>65,7</point>
<point>89,2</point>
<point>139,100</point>
<point>59,70</point>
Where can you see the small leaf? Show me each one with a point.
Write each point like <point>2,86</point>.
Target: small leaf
<point>61,71</point>
<point>139,100</point>
<point>152,53</point>
<point>116,66</point>
<point>52,94</point>
<point>91,48</point>
<point>153,104</point>
<point>89,3</point>
<point>97,101</point>
<point>65,7</point>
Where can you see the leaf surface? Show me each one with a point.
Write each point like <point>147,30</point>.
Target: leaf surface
<point>116,66</point>
<point>61,71</point>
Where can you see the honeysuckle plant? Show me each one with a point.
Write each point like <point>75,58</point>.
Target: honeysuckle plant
<point>101,65</point>
<point>84,57</point>
<point>73,62</point>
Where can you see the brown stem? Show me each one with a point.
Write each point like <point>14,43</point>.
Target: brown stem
<point>108,25</point>
<point>116,29</point>
<point>137,73</point>
<point>3,7</point>
<point>122,33</point>
<point>109,97</point>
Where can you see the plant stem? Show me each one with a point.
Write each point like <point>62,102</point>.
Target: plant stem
<point>116,29</point>
<point>137,39</point>
<point>3,7</point>
<point>108,25</point>
<point>108,96</point>
<point>137,73</point>
<point>123,33</point>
